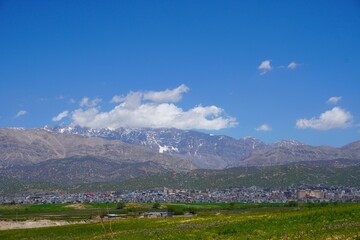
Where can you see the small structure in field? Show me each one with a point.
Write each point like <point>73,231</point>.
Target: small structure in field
<point>155,214</point>
<point>111,216</point>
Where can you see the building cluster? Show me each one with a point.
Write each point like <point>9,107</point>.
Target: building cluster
<point>253,194</point>
<point>310,194</point>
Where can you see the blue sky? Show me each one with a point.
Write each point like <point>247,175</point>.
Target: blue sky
<point>269,69</point>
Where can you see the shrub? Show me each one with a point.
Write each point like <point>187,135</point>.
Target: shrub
<point>156,205</point>
<point>231,205</point>
<point>292,204</point>
<point>323,204</point>
<point>310,204</point>
<point>120,205</point>
<point>175,210</point>
<point>192,210</point>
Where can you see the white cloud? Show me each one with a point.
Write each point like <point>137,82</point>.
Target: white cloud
<point>293,65</point>
<point>173,95</point>
<point>117,99</point>
<point>334,100</point>
<point>155,110</point>
<point>265,67</point>
<point>132,100</point>
<point>334,118</point>
<point>87,102</point>
<point>21,113</point>
<point>71,100</point>
<point>264,128</point>
<point>60,116</point>
<point>166,96</point>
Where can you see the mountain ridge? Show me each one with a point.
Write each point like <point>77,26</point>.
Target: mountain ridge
<point>31,146</point>
<point>211,151</point>
<point>173,149</point>
<point>38,159</point>
<point>131,177</point>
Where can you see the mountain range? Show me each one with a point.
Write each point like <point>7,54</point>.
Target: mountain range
<point>54,157</point>
<point>22,147</point>
<point>208,151</point>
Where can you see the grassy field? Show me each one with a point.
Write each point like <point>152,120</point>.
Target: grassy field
<point>213,221</point>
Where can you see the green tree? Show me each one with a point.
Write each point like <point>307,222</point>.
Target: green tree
<point>120,205</point>
<point>175,210</point>
<point>156,205</point>
<point>192,210</point>
<point>292,204</point>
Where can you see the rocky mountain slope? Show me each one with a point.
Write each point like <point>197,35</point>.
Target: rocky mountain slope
<point>26,147</point>
<point>78,158</point>
<point>204,150</point>
<point>172,149</point>
<point>80,170</point>
<point>218,152</point>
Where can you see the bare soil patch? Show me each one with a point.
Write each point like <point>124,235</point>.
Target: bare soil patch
<point>76,206</point>
<point>6,225</point>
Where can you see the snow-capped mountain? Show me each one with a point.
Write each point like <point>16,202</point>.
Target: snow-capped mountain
<point>33,146</point>
<point>214,151</point>
<point>171,148</point>
<point>74,155</point>
<point>205,150</point>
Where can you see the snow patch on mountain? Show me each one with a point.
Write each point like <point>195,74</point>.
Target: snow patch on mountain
<point>287,143</point>
<point>164,149</point>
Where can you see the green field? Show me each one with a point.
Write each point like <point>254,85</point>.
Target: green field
<point>213,221</point>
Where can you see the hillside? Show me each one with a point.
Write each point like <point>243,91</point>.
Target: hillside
<point>79,170</point>
<point>19,147</point>
<point>277,176</point>
<point>209,151</point>
<point>78,174</point>
<point>44,160</point>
